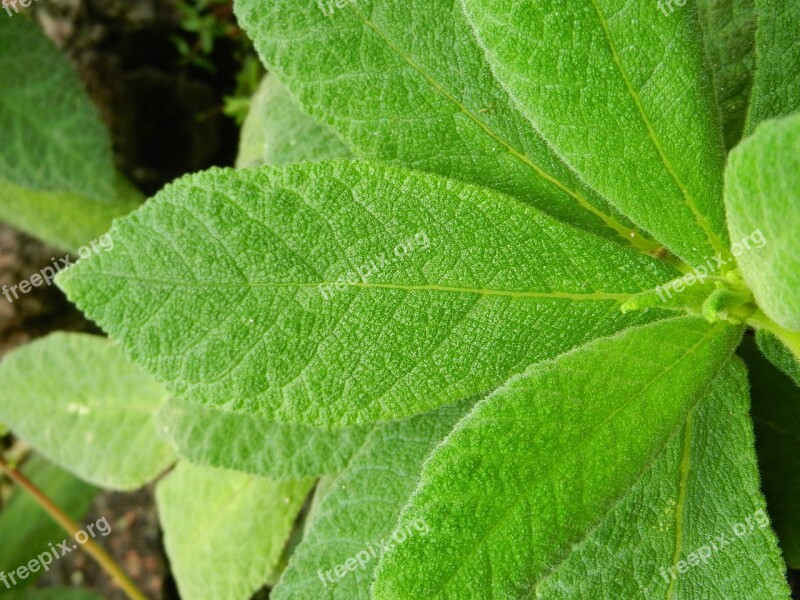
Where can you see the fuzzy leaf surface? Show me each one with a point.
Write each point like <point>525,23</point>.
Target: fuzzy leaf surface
<point>405,82</point>
<point>762,192</point>
<point>224,286</point>
<point>624,95</point>
<point>224,531</point>
<point>277,132</point>
<point>97,423</point>
<point>356,514</point>
<point>510,491</point>
<point>67,221</point>
<point>57,178</point>
<point>54,139</point>
<point>211,437</point>
<point>776,86</point>
<point>779,355</point>
<point>729,29</point>
<point>694,525</point>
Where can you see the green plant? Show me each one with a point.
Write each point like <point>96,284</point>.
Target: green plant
<point>480,289</point>
<point>57,176</point>
<point>203,23</point>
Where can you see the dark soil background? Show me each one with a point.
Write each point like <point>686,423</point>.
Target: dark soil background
<point>164,110</point>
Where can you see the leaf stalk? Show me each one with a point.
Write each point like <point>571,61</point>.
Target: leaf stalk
<point>59,516</point>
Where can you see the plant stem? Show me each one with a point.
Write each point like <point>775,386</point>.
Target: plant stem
<point>92,548</point>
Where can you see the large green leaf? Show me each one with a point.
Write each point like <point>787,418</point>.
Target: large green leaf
<point>776,88</point>
<point>623,93</point>
<point>277,132</point>
<point>695,525</point>
<point>356,514</point>
<point>57,178</point>
<point>26,529</point>
<point>208,436</point>
<point>534,467</point>
<point>776,415</point>
<point>408,84</point>
<point>762,194</point>
<point>76,399</point>
<point>224,531</point>
<point>729,28</point>
<point>225,287</point>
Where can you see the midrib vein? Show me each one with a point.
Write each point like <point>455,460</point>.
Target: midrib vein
<point>587,436</point>
<point>699,217</point>
<point>594,295</point>
<point>681,504</point>
<point>632,236</point>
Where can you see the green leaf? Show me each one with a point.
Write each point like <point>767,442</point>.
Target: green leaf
<point>535,467</point>
<point>776,415</point>
<point>97,423</point>
<point>55,141</point>
<point>240,290</point>
<point>623,94</point>
<point>211,437</point>
<point>663,539</point>
<point>66,221</point>
<point>776,88</point>
<point>277,132</point>
<point>26,530</point>
<point>57,178</point>
<point>762,194</point>
<point>434,105</point>
<point>224,531</point>
<point>359,509</point>
<point>729,28</point>
<point>779,355</point>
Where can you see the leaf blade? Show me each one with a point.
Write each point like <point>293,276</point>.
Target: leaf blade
<point>513,518</point>
<point>449,116</point>
<point>241,442</point>
<point>604,70</point>
<point>405,337</point>
<point>730,30</point>
<point>277,132</point>
<point>360,508</point>
<point>57,177</point>
<point>244,522</point>
<point>761,194</point>
<point>81,419</point>
<point>665,520</point>
<point>776,86</point>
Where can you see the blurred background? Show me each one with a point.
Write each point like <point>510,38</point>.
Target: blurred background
<point>172,81</point>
